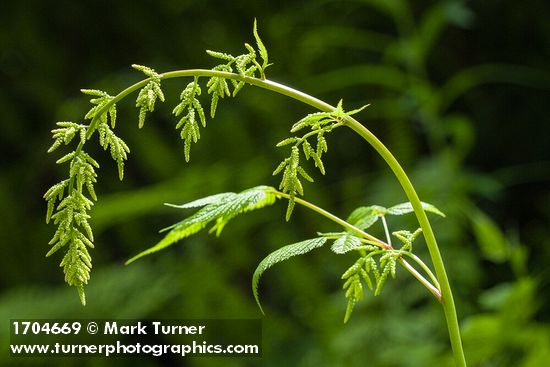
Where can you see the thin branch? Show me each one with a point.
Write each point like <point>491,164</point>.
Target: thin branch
<point>386,230</point>
<point>421,279</point>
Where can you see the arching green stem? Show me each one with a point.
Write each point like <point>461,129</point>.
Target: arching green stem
<point>446,294</point>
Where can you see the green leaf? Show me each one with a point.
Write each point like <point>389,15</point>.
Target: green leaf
<point>261,48</point>
<point>345,243</point>
<point>176,234</point>
<point>406,208</point>
<point>365,216</point>
<point>220,208</point>
<point>246,201</point>
<point>232,204</point>
<point>357,110</point>
<point>203,201</point>
<point>339,110</point>
<point>282,254</point>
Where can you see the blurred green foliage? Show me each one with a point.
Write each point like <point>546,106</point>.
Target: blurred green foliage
<point>458,91</point>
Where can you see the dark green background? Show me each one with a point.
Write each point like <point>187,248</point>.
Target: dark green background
<point>459,92</point>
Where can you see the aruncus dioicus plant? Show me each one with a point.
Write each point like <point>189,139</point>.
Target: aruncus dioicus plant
<point>70,200</point>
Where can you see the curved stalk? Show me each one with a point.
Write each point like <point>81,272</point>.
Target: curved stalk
<point>446,293</point>
<point>386,230</point>
<point>447,300</point>
<point>426,283</point>
<point>436,290</point>
<point>428,271</point>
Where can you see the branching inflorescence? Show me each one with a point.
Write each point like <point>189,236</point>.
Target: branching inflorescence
<point>69,203</point>
<point>70,200</point>
<point>319,124</point>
